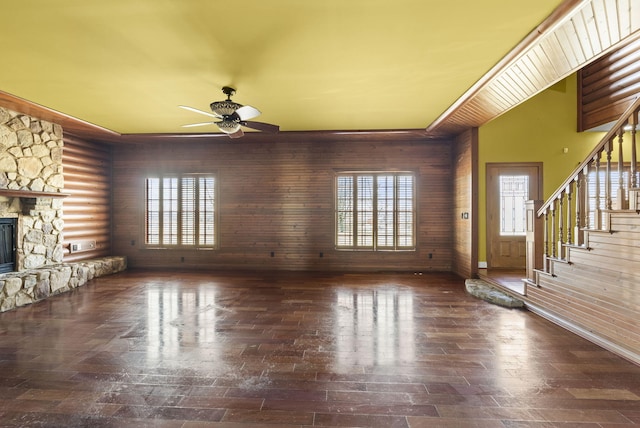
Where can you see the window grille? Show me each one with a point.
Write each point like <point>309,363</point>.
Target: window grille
<point>514,193</point>
<point>375,211</point>
<point>180,211</point>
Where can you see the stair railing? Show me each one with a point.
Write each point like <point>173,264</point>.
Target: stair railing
<point>601,183</point>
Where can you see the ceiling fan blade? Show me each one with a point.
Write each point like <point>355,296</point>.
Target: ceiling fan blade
<point>247,112</point>
<point>261,126</point>
<point>191,125</point>
<point>236,134</point>
<point>195,110</point>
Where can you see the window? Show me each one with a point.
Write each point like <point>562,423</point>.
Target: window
<point>181,211</point>
<point>514,193</point>
<point>375,211</point>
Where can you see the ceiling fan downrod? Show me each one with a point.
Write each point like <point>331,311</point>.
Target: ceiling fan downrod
<point>228,91</point>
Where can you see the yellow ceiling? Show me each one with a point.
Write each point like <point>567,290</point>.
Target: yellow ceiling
<point>307,65</point>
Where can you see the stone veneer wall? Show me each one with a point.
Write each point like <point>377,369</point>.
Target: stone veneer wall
<point>26,287</point>
<point>31,159</point>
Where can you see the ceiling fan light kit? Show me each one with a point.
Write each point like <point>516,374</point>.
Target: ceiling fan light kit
<point>228,126</point>
<point>233,116</point>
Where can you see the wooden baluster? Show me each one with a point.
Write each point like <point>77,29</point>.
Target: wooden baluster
<point>569,215</point>
<point>634,162</point>
<point>597,216</point>
<point>608,197</point>
<point>546,239</point>
<point>560,227</point>
<point>553,229</point>
<point>581,187</point>
<point>586,222</point>
<point>607,177</point>
<point>620,199</point>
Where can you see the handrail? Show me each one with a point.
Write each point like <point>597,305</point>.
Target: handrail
<point>598,148</point>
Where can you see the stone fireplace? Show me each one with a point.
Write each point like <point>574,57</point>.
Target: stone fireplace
<point>31,198</point>
<point>31,183</point>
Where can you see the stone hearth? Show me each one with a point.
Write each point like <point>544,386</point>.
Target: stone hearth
<point>29,286</point>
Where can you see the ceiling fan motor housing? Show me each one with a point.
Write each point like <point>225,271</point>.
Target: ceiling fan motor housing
<point>224,108</point>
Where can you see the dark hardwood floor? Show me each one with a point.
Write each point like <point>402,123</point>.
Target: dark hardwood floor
<point>242,349</point>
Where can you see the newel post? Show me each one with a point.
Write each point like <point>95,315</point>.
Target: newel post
<point>535,239</point>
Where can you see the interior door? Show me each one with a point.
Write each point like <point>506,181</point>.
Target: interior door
<point>509,186</point>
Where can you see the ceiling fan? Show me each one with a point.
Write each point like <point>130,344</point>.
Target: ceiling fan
<point>232,116</point>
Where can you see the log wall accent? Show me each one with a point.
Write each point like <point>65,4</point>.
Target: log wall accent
<point>609,85</point>
<point>596,289</point>
<point>87,209</point>
<point>276,196</point>
<point>465,200</point>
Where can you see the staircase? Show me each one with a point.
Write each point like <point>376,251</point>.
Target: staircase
<point>583,246</point>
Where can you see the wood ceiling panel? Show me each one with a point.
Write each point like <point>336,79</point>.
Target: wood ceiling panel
<point>531,71</point>
<point>500,103</point>
<point>611,8</point>
<point>511,87</point>
<point>575,35</point>
<point>571,51</point>
<point>547,70</point>
<point>624,18</point>
<point>520,81</point>
<point>589,20</point>
<point>582,33</point>
<point>600,14</point>
<point>634,17</point>
<point>556,55</point>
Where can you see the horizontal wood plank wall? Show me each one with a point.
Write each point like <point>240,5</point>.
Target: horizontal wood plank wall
<point>278,197</point>
<point>609,85</point>
<point>598,290</point>
<point>465,259</point>
<point>87,209</point>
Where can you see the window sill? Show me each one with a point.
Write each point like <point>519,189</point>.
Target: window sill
<point>179,248</point>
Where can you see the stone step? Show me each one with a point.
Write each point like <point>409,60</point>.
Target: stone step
<point>485,291</point>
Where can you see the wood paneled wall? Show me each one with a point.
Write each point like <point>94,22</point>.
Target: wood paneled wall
<point>277,196</point>
<point>595,292</point>
<point>465,201</point>
<point>87,210</point>
<point>609,85</point>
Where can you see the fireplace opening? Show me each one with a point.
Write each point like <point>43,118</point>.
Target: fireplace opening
<point>8,227</point>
